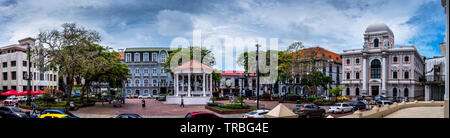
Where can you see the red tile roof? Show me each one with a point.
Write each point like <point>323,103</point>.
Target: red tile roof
<point>320,53</point>
<point>122,55</point>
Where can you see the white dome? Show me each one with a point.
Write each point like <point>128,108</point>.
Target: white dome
<point>378,28</point>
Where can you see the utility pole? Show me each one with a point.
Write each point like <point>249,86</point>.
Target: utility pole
<point>257,76</point>
<point>29,75</point>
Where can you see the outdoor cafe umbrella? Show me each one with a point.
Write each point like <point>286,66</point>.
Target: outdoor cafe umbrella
<point>25,92</point>
<point>10,92</point>
<point>38,92</point>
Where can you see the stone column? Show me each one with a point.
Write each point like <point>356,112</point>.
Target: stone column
<point>176,85</point>
<point>210,83</point>
<point>189,85</point>
<point>204,81</point>
<point>364,70</point>
<point>383,72</point>
<point>182,83</point>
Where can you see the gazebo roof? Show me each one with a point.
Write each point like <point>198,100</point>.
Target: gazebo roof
<point>195,66</point>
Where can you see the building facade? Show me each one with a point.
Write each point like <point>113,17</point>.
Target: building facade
<point>233,82</point>
<point>382,69</point>
<point>148,76</point>
<point>327,62</point>
<point>14,69</point>
<point>435,79</point>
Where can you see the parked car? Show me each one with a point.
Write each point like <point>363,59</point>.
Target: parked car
<point>256,113</point>
<point>12,112</point>
<point>343,98</point>
<point>309,110</point>
<point>340,108</point>
<point>11,100</point>
<point>54,116</point>
<point>383,103</point>
<point>128,116</point>
<point>58,113</point>
<point>202,115</point>
<point>146,96</point>
<point>358,105</point>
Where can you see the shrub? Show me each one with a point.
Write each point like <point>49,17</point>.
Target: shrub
<point>311,98</point>
<point>266,96</point>
<point>293,97</point>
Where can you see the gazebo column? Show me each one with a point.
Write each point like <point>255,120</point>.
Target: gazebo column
<point>176,85</point>
<point>210,84</point>
<point>195,82</point>
<point>189,85</point>
<point>182,83</point>
<point>204,81</point>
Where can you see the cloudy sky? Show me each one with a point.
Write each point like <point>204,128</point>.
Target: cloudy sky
<point>332,24</point>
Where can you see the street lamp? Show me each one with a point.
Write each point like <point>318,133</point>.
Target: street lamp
<point>29,75</point>
<point>257,76</point>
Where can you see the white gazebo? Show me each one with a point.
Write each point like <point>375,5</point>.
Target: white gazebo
<point>195,86</point>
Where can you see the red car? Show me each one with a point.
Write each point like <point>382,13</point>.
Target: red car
<point>205,115</point>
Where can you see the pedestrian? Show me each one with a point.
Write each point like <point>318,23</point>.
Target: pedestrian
<point>103,99</point>
<point>182,102</point>
<point>143,103</point>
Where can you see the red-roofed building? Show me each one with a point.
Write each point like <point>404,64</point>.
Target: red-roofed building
<point>327,62</point>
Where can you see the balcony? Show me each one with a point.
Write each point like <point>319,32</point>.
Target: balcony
<point>435,79</point>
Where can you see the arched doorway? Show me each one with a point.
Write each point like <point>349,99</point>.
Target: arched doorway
<point>347,92</point>
<point>357,91</point>
<point>375,90</point>
<point>406,92</point>
<point>155,92</point>
<point>137,92</point>
<point>394,92</point>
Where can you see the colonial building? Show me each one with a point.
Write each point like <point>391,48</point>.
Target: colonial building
<point>233,82</point>
<point>325,61</point>
<point>14,69</point>
<point>148,76</point>
<point>435,79</point>
<point>380,68</point>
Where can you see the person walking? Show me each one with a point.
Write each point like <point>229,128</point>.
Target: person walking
<point>182,102</point>
<point>143,103</point>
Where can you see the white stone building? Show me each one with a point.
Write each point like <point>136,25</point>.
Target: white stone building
<point>435,79</point>
<point>380,68</point>
<point>14,66</point>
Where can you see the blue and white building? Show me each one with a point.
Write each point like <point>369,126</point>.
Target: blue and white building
<point>148,76</point>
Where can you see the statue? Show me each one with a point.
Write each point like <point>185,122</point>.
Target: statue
<point>386,43</point>
<point>366,45</point>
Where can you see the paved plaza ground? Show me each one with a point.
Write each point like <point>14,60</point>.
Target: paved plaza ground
<point>418,112</point>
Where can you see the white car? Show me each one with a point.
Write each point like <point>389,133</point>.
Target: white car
<point>144,96</point>
<point>11,100</point>
<point>256,113</point>
<point>340,108</point>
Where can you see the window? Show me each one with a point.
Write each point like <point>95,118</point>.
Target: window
<point>145,71</point>
<point>357,61</point>
<point>5,64</point>
<point>13,75</point>
<point>162,71</point>
<point>34,76</point>
<point>137,71</point>
<point>347,92</point>
<point>41,76</point>
<point>24,75</point>
<point>394,92</point>
<point>13,63</point>
<point>375,42</point>
<point>146,82</point>
<point>395,59</point>
<point>24,63</point>
<point>146,57</point>
<point>406,75</point>
<point>137,57</point>
<point>375,69</point>
<point>128,57</point>
<point>136,82</point>
<point>154,57</point>
<point>357,75</point>
<point>154,70</point>
<point>5,75</point>
<point>407,59</point>
<point>348,76</point>
<point>406,92</point>
<point>357,91</point>
<point>163,57</point>
<point>348,62</point>
<point>394,74</point>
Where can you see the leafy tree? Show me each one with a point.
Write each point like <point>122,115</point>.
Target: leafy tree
<point>336,91</point>
<point>314,80</point>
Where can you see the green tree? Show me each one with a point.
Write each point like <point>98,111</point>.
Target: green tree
<point>315,79</point>
<point>336,91</point>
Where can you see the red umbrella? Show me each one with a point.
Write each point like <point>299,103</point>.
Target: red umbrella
<point>38,92</point>
<point>10,92</point>
<point>25,92</point>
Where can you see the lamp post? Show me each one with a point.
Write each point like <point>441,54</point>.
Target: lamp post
<point>29,75</point>
<point>257,76</point>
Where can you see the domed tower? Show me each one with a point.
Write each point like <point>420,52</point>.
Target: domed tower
<point>378,36</point>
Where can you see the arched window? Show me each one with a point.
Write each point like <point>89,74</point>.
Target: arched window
<point>145,82</point>
<point>375,42</point>
<point>136,82</point>
<point>348,76</point>
<point>357,91</point>
<point>357,61</point>
<point>347,92</point>
<point>375,69</point>
<point>395,59</point>
<point>394,92</point>
<point>407,59</point>
<point>406,92</point>
<point>406,75</point>
<point>394,74</point>
<point>357,75</point>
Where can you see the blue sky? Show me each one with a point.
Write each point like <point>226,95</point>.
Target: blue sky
<point>332,24</point>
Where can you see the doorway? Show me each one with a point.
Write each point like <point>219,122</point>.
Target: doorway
<point>375,90</point>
